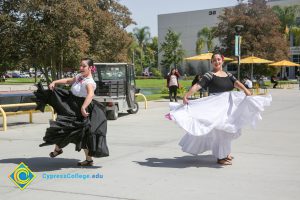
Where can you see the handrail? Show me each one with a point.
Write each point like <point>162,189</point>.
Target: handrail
<point>145,99</point>
<point>19,105</point>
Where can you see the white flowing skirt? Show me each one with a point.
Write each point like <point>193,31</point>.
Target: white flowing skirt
<point>211,123</point>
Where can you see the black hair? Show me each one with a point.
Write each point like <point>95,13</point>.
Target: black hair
<point>216,53</point>
<point>196,79</point>
<point>172,70</point>
<point>197,76</point>
<point>89,61</point>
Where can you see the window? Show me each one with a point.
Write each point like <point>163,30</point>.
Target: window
<point>296,58</point>
<point>298,21</point>
<point>212,12</point>
<point>111,72</point>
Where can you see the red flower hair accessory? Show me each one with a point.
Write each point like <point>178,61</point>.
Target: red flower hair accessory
<point>93,69</point>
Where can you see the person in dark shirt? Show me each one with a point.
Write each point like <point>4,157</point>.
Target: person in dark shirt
<point>196,80</point>
<point>273,80</point>
<point>172,83</point>
<point>218,81</point>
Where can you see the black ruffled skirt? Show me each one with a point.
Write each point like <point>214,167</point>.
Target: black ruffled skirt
<point>70,126</point>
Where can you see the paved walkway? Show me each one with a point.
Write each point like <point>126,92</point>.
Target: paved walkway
<point>147,163</point>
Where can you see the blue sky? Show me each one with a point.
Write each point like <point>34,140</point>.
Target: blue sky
<point>144,12</point>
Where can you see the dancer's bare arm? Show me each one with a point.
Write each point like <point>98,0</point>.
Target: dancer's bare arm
<point>62,81</point>
<point>193,89</point>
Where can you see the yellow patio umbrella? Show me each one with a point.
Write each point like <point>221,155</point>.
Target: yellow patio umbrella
<point>284,63</point>
<point>253,60</point>
<point>204,56</point>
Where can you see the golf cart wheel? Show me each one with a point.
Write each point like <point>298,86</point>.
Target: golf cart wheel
<point>113,114</point>
<point>135,108</point>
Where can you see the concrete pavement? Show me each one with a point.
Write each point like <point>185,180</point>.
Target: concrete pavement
<point>146,162</point>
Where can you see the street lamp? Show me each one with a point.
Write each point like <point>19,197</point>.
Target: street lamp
<point>238,39</point>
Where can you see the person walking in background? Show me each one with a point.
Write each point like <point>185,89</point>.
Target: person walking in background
<point>197,78</point>
<point>80,119</point>
<point>173,84</point>
<point>298,76</point>
<point>247,82</point>
<point>211,123</point>
<point>274,81</point>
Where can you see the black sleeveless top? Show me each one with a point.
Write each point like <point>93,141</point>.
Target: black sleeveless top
<point>217,84</point>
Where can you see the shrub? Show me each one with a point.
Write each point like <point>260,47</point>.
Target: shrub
<point>181,91</point>
<point>165,90</point>
<point>156,72</point>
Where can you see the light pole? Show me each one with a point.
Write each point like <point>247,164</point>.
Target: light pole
<point>238,39</point>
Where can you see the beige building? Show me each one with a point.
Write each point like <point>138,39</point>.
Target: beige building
<point>189,23</point>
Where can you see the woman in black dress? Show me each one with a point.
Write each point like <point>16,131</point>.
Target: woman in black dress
<point>80,119</point>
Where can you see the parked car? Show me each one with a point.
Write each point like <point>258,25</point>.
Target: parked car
<point>15,75</point>
<point>8,75</point>
<point>24,75</point>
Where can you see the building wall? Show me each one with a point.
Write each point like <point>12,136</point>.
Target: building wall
<point>189,23</point>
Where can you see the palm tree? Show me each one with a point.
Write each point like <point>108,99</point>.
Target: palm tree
<point>205,37</point>
<point>153,47</point>
<point>295,30</point>
<point>142,35</point>
<point>286,15</point>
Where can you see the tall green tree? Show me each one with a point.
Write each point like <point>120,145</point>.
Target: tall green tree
<point>153,47</point>
<point>9,46</point>
<point>287,15</point>
<point>262,35</point>
<point>134,53</point>
<point>145,55</point>
<point>108,38</point>
<point>172,50</point>
<point>142,36</point>
<point>54,35</point>
<point>205,39</point>
<point>295,30</point>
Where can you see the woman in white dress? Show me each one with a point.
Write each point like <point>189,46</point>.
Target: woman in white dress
<point>211,123</point>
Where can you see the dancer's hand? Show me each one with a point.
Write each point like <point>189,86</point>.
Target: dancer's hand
<point>52,85</point>
<point>84,113</point>
<point>185,100</point>
<point>248,93</point>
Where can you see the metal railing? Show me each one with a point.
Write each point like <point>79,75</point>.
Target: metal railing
<point>145,99</point>
<point>5,114</point>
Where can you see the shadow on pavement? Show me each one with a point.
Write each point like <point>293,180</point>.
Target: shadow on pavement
<point>15,123</point>
<point>41,164</point>
<point>123,114</point>
<point>182,162</point>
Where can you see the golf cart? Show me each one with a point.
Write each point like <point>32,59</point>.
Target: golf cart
<point>116,88</point>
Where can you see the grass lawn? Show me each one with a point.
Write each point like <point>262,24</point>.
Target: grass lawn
<point>159,83</point>
<point>15,81</point>
<point>140,83</point>
<point>153,97</point>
